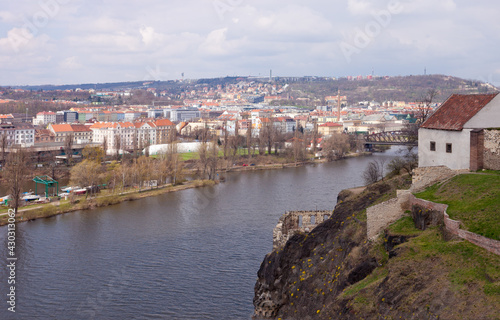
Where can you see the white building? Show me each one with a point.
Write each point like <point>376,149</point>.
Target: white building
<point>449,136</point>
<point>123,135</point>
<point>187,114</point>
<point>43,118</point>
<point>24,134</point>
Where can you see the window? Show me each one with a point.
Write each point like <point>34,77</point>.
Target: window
<point>448,148</point>
<point>433,145</point>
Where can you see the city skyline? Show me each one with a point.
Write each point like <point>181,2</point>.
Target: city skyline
<point>72,41</point>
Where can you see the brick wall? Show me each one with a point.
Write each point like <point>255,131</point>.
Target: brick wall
<point>477,150</point>
<point>492,149</point>
<point>453,226</point>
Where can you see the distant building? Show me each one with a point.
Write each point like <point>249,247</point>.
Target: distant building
<point>66,116</point>
<point>329,128</point>
<point>23,134</point>
<point>187,114</point>
<point>43,118</point>
<point>44,136</point>
<point>155,113</point>
<point>6,118</point>
<point>81,133</point>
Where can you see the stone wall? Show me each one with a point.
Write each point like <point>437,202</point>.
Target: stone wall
<point>427,176</point>
<point>491,157</point>
<point>381,215</point>
<point>296,221</point>
<point>453,226</point>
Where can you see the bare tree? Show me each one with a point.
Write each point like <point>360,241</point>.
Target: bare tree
<point>315,137</point>
<point>17,170</point>
<point>105,146</point>
<point>424,109</point>
<point>213,159</point>
<point>336,146</point>
<point>249,138</point>
<point>117,144</point>
<point>175,164</point>
<point>3,145</point>
<point>135,144</point>
<point>203,158</point>
<point>373,172</point>
<point>226,139</point>
<point>68,147</point>
<point>235,141</point>
<point>145,145</point>
<point>407,162</point>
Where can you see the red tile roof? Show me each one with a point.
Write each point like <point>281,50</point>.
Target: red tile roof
<point>163,123</point>
<point>457,110</point>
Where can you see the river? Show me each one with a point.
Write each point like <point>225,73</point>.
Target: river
<point>192,254</point>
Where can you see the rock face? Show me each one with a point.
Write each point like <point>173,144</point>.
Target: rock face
<point>299,278</point>
<point>335,272</point>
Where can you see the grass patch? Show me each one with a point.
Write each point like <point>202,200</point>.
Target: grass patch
<point>404,226</point>
<point>466,263</point>
<point>473,199</point>
<point>492,289</point>
<point>376,276</point>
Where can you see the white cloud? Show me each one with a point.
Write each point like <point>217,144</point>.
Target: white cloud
<point>70,63</point>
<point>118,40</point>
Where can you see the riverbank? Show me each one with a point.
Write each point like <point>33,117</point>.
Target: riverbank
<point>103,200</point>
<point>107,198</point>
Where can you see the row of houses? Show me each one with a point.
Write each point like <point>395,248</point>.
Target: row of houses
<point>101,115</point>
<point>122,135</point>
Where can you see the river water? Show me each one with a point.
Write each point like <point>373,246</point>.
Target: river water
<point>192,254</point>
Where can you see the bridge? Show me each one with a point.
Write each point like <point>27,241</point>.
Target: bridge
<point>391,138</point>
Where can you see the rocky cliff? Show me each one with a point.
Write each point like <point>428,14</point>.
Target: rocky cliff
<point>334,272</point>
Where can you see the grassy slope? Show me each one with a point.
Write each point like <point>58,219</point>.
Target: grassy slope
<point>449,280</point>
<point>473,199</point>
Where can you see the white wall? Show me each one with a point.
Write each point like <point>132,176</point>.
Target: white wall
<point>458,159</point>
<point>488,117</point>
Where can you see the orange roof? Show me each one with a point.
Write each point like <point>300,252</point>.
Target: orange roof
<point>163,123</point>
<point>70,128</point>
<point>6,116</point>
<point>62,128</point>
<point>80,128</point>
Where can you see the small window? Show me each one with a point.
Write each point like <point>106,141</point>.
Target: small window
<point>433,146</point>
<point>448,148</point>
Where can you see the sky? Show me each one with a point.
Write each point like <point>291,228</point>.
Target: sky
<point>97,41</point>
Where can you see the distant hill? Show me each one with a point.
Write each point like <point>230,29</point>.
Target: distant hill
<point>404,88</point>
<point>313,90</point>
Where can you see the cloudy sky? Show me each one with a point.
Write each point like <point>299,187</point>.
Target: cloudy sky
<point>77,41</point>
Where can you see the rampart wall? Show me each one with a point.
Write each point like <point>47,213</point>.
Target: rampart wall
<point>296,221</point>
